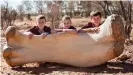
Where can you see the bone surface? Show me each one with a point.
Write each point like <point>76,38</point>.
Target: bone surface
<point>81,50</point>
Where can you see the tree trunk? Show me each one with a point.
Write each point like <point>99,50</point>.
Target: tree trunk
<point>123,10</point>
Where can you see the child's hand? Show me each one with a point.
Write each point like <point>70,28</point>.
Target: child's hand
<point>44,35</point>
<point>96,29</point>
<point>74,31</point>
<point>80,30</point>
<point>30,35</point>
<point>70,31</point>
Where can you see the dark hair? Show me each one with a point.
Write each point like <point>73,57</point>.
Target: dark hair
<point>40,17</point>
<point>95,13</point>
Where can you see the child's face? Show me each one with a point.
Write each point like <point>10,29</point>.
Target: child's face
<point>41,22</point>
<point>67,23</point>
<point>96,19</point>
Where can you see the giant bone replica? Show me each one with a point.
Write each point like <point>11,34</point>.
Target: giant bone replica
<point>81,50</point>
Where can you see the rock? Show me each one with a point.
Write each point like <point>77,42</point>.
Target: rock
<point>124,57</point>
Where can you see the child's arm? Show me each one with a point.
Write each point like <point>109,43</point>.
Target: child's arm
<point>29,32</point>
<point>58,30</point>
<point>44,34</point>
<point>73,31</point>
<point>90,30</point>
<point>30,35</point>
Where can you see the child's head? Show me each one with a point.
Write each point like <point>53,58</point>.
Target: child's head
<point>41,20</point>
<point>95,17</point>
<point>66,21</point>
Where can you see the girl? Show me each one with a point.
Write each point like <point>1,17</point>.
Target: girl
<point>66,25</point>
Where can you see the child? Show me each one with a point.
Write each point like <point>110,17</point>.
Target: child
<point>40,28</point>
<point>66,25</point>
<point>92,26</point>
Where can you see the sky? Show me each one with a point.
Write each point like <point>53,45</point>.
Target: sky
<point>12,3</point>
<point>15,3</point>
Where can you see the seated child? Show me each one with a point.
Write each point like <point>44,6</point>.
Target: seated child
<point>40,28</point>
<point>66,25</point>
<point>92,26</point>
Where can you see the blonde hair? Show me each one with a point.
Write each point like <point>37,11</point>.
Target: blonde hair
<point>66,17</point>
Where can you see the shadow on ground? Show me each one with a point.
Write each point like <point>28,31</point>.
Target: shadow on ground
<point>109,67</point>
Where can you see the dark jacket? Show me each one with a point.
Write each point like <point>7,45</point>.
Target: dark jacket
<point>35,30</point>
<point>71,27</point>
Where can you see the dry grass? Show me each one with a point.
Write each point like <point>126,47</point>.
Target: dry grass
<point>132,31</point>
<point>75,22</point>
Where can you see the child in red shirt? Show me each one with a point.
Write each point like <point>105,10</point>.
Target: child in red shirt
<point>92,26</point>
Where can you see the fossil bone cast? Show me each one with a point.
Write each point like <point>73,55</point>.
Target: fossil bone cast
<point>81,50</point>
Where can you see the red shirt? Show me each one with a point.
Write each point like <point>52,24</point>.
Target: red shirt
<point>89,25</point>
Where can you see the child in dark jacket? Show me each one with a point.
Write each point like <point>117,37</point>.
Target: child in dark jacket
<point>40,28</point>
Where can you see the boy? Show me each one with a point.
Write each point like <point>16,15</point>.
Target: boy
<point>40,28</point>
<point>92,26</point>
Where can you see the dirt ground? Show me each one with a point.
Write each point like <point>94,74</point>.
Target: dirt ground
<point>123,66</point>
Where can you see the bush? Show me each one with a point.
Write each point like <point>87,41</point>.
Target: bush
<point>8,16</point>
